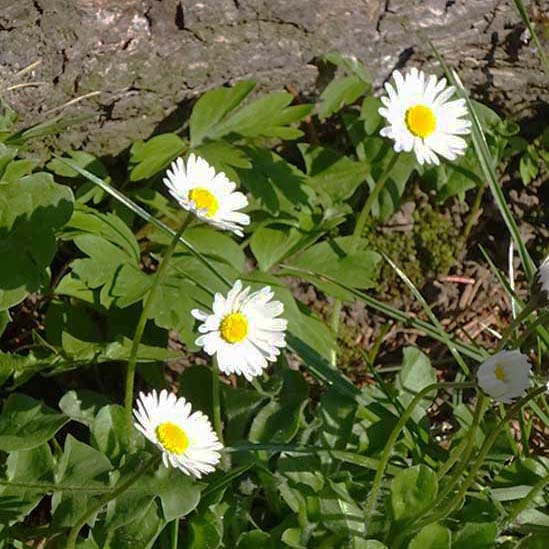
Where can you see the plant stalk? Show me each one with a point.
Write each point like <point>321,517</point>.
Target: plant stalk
<point>475,467</point>
<point>216,401</point>
<point>355,240</point>
<point>386,456</point>
<point>132,362</point>
<point>118,490</point>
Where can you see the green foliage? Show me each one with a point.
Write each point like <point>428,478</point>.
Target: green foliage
<point>311,460</point>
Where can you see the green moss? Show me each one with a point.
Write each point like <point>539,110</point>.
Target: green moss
<point>425,252</point>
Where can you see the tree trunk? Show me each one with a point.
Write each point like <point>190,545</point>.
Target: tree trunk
<point>150,58</point>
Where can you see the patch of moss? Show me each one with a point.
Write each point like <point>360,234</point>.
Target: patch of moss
<point>425,252</point>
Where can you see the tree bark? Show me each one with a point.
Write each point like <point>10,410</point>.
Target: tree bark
<point>150,58</point>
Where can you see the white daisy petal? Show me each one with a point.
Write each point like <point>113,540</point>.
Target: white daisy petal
<point>422,118</point>
<point>209,195</point>
<point>244,331</point>
<point>187,441</point>
<point>505,376</point>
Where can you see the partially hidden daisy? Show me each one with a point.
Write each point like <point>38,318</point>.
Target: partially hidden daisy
<point>505,376</point>
<point>543,276</point>
<point>243,331</point>
<point>186,440</point>
<point>209,195</point>
<point>421,117</point>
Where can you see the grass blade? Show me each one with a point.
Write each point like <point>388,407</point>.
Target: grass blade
<point>476,353</point>
<point>488,167</point>
<point>434,320</point>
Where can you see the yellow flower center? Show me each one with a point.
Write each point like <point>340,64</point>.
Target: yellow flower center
<point>204,200</point>
<point>234,328</point>
<point>421,120</point>
<point>499,373</point>
<point>172,437</point>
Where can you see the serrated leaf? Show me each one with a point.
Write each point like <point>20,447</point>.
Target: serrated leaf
<point>213,107</point>
<point>152,156</point>
<point>329,172</point>
<point>338,93</point>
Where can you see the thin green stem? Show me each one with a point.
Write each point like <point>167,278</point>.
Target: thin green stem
<point>388,450</point>
<point>355,240</point>
<point>118,490</point>
<point>216,401</point>
<point>372,197</point>
<point>464,457</point>
<point>475,467</point>
<point>132,362</point>
<point>525,502</point>
<point>473,214</point>
<point>47,488</point>
<point>175,533</point>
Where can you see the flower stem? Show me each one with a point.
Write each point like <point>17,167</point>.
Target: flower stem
<point>118,490</point>
<point>132,362</point>
<point>175,533</point>
<point>356,236</point>
<point>462,465</point>
<point>475,467</point>
<point>216,401</point>
<point>386,456</point>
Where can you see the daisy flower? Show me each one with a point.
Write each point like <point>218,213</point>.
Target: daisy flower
<point>243,331</point>
<point>505,376</point>
<point>186,440</point>
<point>422,118</point>
<point>207,194</point>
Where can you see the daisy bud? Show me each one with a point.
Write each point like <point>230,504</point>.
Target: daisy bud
<point>505,376</point>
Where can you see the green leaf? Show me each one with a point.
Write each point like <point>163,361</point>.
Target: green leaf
<point>26,466</point>
<point>332,174</point>
<point>350,64</point>
<point>335,258</point>
<point>480,535</point>
<point>268,116</point>
<point>79,465</point>
<point>179,494</point>
<point>26,423</point>
<point>31,210</point>
<point>82,405</point>
<point>213,107</point>
<point>150,157</point>
<point>433,536</point>
<point>240,406</point>
<point>412,491</point>
<point>276,185</point>
<point>205,531</point>
<point>109,432</point>
<point>340,513</point>
<point>279,420</point>
<point>255,539</point>
<point>271,244</point>
<point>529,165</point>
<point>415,374</point>
<point>338,93</point>
<point>17,169</point>
<point>140,533</point>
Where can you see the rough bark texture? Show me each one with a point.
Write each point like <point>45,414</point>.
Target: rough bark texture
<point>149,58</point>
